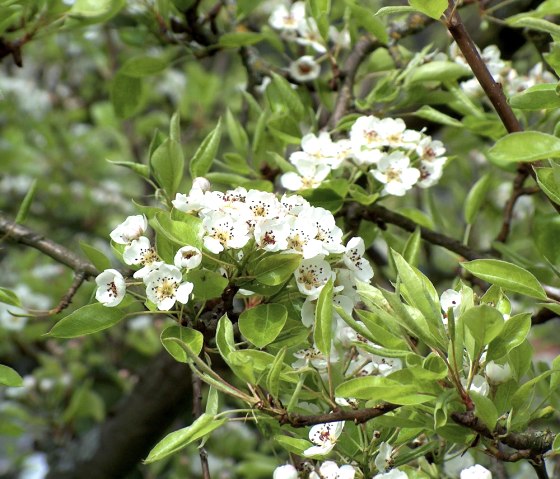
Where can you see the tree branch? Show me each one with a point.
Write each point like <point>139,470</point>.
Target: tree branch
<point>197,412</point>
<point>358,416</point>
<point>380,215</point>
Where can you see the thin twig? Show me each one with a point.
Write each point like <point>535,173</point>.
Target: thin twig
<point>79,278</point>
<point>517,192</point>
<point>197,412</point>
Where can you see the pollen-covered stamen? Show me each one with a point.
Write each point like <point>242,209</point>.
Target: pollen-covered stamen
<point>166,288</point>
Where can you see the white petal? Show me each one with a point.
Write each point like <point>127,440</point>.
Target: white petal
<point>183,292</point>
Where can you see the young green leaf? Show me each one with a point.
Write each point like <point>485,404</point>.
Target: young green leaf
<point>524,146</point>
<point>207,284</point>
<point>506,275</point>
<point>263,323</point>
<point>167,164</point>
<point>26,203</point>
<point>202,160</point>
<point>432,8</point>
<point>475,198</point>
<point>7,296</point>
<point>485,409</point>
<point>275,269</point>
<point>9,377</point>
<point>86,320</point>
<point>324,318</point>
<point>127,95</point>
<point>549,183</point>
<point>273,377</point>
<point>537,97</point>
<point>97,257</point>
<point>193,338</point>
<point>142,66</point>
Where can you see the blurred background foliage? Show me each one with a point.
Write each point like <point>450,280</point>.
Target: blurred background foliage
<point>89,86</point>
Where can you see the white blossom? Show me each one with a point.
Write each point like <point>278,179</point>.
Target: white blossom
<point>327,233</point>
<point>450,299</point>
<point>272,235</point>
<point>394,171</point>
<point>131,229</point>
<point>164,287</point>
<point>111,288</point>
<point>354,259</point>
<point>478,385</point>
<point>392,474</point>
<point>286,19</point>
<point>188,257</point>
<point>140,251</point>
<point>324,437</point>
<point>285,472</point>
<point>498,373</point>
<point>302,237</point>
<point>383,459</point>
<point>476,472</point>
<point>304,69</point>
<point>224,231</point>
<point>310,174</point>
<point>312,275</point>
<point>309,35</point>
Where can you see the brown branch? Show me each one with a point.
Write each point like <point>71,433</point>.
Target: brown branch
<point>380,215</point>
<point>197,412</point>
<point>517,192</point>
<point>359,416</point>
<point>538,442</point>
<point>79,278</point>
<point>24,235</point>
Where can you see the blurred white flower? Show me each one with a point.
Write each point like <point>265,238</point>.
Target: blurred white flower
<point>498,373</point>
<point>394,171</point>
<point>392,474</point>
<point>285,472</point>
<point>304,69</point>
<point>188,257</point>
<point>286,19</point>
<point>131,229</point>
<point>164,287</point>
<point>476,472</point>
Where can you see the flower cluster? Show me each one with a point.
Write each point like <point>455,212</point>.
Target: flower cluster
<point>252,222</point>
<point>294,25</point>
<point>502,72</point>
<point>393,155</point>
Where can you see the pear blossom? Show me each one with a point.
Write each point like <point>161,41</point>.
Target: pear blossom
<point>310,174</point>
<point>111,288</point>
<point>196,200</point>
<point>328,233</point>
<point>498,373</point>
<point>383,459</point>
<point>201,184</point>
<point>302,237</point>
<point>354,260</point>
<point>261,206</point>
<point>140,251</point>
<point>188,257</point>
<point>450,299</point>
<point>285,472</point>
<point>476,472</point>
<point>392,474</point>
<point>319,148</point>
<point>304,69</point>
<point>12,318</point>
<point>272,234</point>
<point>395,172</point>
<point>430,173</point>
<point>164,287</point>
<point>324,437</point>
<point>311,275</point>
<point>478,385</point>
<point>294,204</point>
<point>340,38</point>
<point>309,35</point>
<point>286,19</point>
<point>224,231</point>
<point>430,151</point>
<point>131,229</point>
<point>313,357</point>
<point>331,470</point>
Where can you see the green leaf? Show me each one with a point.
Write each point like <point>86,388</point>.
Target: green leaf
<point>412,247</point>
<point>324,319</point>
<point>237,134</point>
<point>513,334</point>
<point>395,10</point>
<point>432,8</point>
<point>9,377</point>
<point>293,444</point>
<point>177,440</point>
<point>506,275</point>
<point>439,71</point>
<point>484,324</point>
<point>127,95</point>
<point>207,284</point>
<point>365,17</point>
<point>212,401</point>
<point>167,164</point>
<point>475,198</point>
<point>324,198</point>
<point>524,146</point>
<point>138,168</point>
<point>99,10</point>
<point>549,183</point>
<point>186,231</point>
<point>275,269</point>
<point>545,233</point>
<point>382,389</point>
<point>224,337</point>
<point>262,324</point>
<point>429,113</point>
<point>485,409</point>
<point>538,24</point>
<point>26,203</point>
<point>273,377</point>
<point>142,66</point>
<point>86,320</point>
<point>7,296</point>
<point>204,156</point>
<point>240,39</point>
<point>193,338</point>
<point>97,257</point>
<point>282,97</point>
<point>537,97</point>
